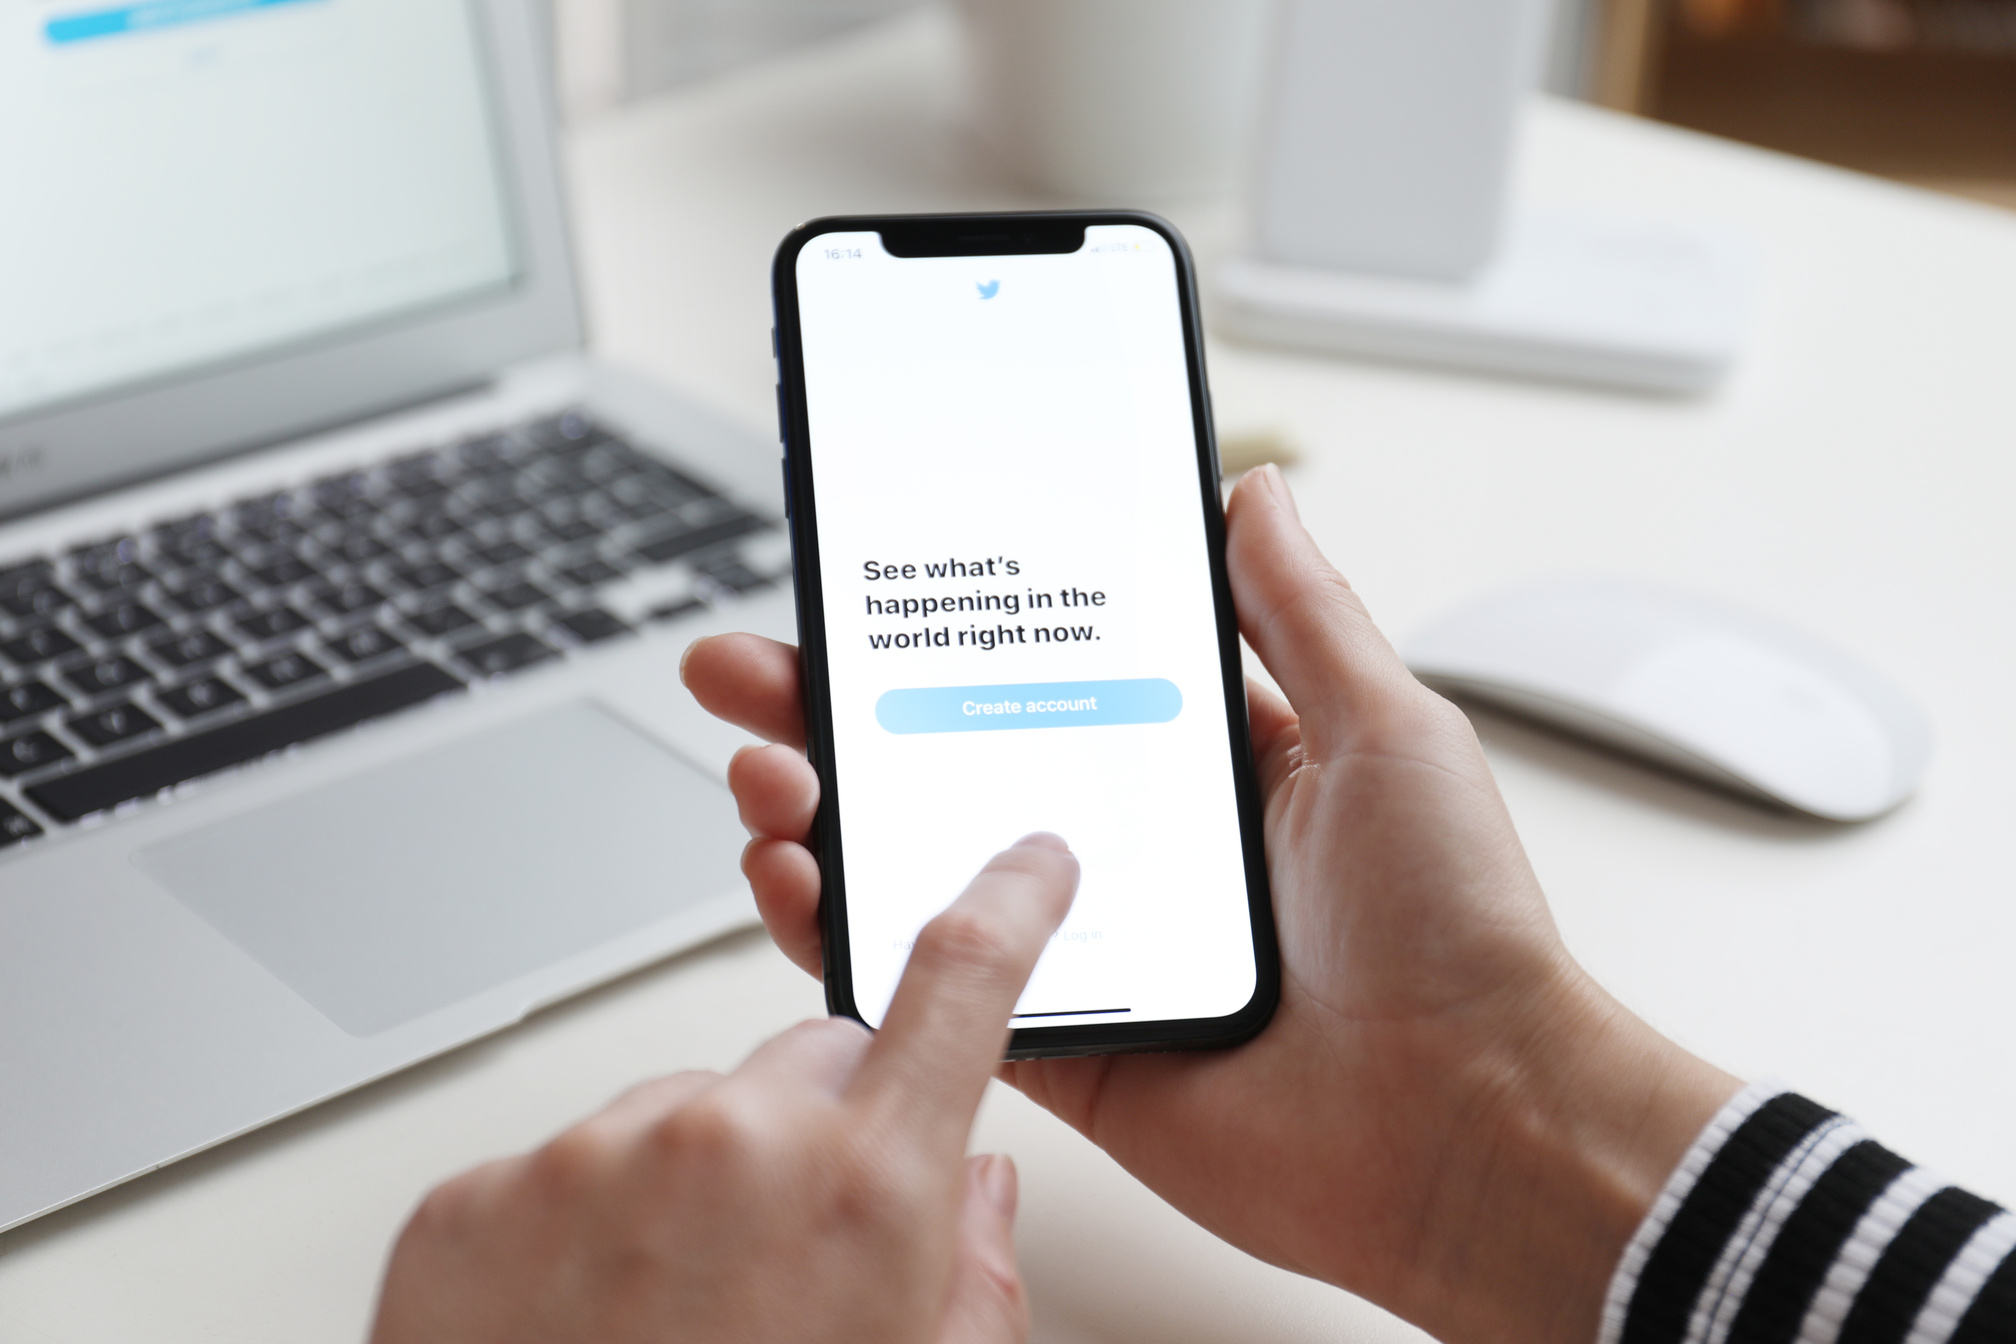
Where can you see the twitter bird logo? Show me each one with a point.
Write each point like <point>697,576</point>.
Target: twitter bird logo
<point>988,289</point>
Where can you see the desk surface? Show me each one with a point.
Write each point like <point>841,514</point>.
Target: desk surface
<point>1853,476</point>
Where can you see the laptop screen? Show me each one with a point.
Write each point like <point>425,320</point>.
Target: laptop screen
<point>187,182</point>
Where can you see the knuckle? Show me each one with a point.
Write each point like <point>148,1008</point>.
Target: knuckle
<point>1419,715</point>
<point>449,1206</point>
<point>570,1162</point>
<point>715,1131</point>
<point>873,1193</point>
<point>834,1035</point>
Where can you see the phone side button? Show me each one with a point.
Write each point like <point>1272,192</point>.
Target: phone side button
<point>785,464</point>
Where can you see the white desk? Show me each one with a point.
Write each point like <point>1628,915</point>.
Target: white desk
<point>1855,475</point>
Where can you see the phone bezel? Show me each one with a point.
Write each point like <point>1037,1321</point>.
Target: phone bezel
<point>1009,233</point>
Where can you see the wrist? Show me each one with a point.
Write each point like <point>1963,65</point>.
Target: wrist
<point>1577,1113</point>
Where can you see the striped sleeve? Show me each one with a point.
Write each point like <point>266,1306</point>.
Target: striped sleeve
<point>1786,1224</point>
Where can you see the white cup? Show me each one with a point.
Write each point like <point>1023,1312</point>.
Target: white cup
<point>1114,100</point>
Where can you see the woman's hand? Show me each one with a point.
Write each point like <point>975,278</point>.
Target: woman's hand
<point>1446,1115</point>
<point>819,1193</point>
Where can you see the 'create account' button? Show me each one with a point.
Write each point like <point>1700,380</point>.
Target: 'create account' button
<point>1047,704</point>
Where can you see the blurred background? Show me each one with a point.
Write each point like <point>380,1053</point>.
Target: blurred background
<point>1922,91</point>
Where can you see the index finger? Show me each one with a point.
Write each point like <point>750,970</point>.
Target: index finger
<point>750,681</point>
<point>948,1024</point>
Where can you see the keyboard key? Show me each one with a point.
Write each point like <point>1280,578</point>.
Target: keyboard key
<point>284,572</point>
<point>672,611</point>
<point>495,657</point>
<point>444,619</point>
<point>116,578</point>
<point>735,576</point>
<point>645,511</point>
<point>15,826</point>
<point>123,618</point>
<point>279,532</point>
<point>30,697</point>
<point>344,599</point>
<point>30,751</point>
<point>200,697</point>
<point>515,596</point>
<point>264,511</point>
<point>435,525</point>
<point>342,491</point>
<point>569,427</point>
<point>205,593</point>
<point>176,531</point>
<point>611,462</point>
<point>110,553</point>
<point>642,486</point>
<point>573,529</point>
<point>422,465</point>
<point>591,573</point>
<point>31,574</point>
<point>416,471</point>
<point>564,472</point>
<point>423,489</point>
<point>363,644</point>
<point>271,624</point>
<point>492,452</point>
<point>197,551</point>
<point>45,600</point>
<point>502,553</point>
<point>427,574</point>
<point>670,477</point>
<point>105,674</point>
<point>190,541</point>
<point>247,739</point>
<point>113,724</point>
<point>289,669</point>
<point>592,625</point>
<point>358,548</point>
<point>198,646</point>
<point>668,548</point>
<point>38,645</point>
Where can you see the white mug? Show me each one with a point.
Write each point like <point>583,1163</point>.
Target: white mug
<point>1117,100</point>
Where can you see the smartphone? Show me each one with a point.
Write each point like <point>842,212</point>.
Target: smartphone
<point>1014,615</point>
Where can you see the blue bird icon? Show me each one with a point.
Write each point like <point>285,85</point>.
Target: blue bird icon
<point>988,288</point>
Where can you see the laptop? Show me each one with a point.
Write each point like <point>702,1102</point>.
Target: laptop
<point>342,595</point>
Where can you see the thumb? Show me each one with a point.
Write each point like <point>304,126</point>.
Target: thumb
<point>986,1303</point>
<point>1311,630</point>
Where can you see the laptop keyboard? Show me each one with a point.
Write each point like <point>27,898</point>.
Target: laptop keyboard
<point>136,663</point>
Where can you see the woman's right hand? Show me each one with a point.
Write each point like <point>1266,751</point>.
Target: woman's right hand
<point>1446,1115</point>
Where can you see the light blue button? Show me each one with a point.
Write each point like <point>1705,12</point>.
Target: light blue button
<point>145,17</point>
<point>1043,704</point>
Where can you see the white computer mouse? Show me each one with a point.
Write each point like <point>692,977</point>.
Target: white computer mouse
<point>1722,694</point>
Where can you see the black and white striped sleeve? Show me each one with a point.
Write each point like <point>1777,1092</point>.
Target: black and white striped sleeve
<point>1786,1224</point>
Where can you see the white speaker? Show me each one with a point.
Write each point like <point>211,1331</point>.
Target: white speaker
<point>1382,220</point>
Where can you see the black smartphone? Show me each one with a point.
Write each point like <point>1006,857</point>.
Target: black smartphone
<point>1013,612</point>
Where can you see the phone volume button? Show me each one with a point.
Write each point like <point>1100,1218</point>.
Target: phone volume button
<point>783,421</point>
<point>785,464</point>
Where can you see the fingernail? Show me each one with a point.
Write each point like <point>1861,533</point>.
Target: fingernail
<point>1278,483</point>
<point>998,1180</point>
<point>1042,840</point>
<point>684,658</point>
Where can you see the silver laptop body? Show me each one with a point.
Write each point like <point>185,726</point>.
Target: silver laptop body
<point>341,596</point>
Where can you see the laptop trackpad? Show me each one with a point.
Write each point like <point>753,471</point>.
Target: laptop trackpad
<point>418,884</point>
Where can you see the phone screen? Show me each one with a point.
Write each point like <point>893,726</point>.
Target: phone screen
<point>1020,631</point>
